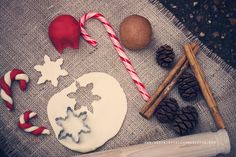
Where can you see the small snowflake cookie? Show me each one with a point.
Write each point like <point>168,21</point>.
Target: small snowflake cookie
<point>50,71</point>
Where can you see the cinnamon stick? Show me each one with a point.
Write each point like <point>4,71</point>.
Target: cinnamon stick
<point>204,87</point>
<point>149,108</point>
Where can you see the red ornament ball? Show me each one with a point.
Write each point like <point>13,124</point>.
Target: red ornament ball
<point>64,31</point>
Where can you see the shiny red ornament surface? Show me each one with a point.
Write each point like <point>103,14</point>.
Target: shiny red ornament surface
<point>64,31</point>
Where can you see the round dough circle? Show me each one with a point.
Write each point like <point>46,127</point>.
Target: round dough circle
<point>108,112</point>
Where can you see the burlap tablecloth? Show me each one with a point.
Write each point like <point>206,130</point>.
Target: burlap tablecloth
<point>24,41</point>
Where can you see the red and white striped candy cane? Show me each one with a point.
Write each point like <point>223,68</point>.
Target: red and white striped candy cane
<point>6,82</point>
<point>24,124</point>
<point>117,46</point>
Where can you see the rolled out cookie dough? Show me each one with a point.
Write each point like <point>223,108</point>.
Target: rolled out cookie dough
<point>107,118</point>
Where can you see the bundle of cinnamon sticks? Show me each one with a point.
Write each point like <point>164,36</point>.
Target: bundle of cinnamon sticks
<point>171,79</point>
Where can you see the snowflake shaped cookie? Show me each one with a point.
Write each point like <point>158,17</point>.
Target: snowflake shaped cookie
<point>72,125</point>
<point>50,71</point>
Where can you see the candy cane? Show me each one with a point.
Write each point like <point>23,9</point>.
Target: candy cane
<point>117,46</point>
<point>28,127</point>
<point>5,84</point>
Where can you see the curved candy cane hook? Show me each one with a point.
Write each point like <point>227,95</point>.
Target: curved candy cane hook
<point>6,82</point>
<point>24,124</point>
<point>117,46</point>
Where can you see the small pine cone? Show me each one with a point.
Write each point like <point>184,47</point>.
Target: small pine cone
<point>165,56</point>
<point>188,86</point>
<point>167,110</point>
<point>186,120</point>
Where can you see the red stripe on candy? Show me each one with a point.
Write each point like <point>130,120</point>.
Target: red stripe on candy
<point>38,131</point>
<point>5,87</point>
<point>26,115</point>
<point>24,125</point>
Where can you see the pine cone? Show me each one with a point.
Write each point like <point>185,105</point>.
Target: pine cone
<point>188,86</point>
<point>186,120</point>
<point>166,110</point>
<point>165,56</point>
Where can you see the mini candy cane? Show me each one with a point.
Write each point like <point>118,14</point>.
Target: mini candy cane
<point>5,84</point>
<point>28,127</point>
<point>117,46</point>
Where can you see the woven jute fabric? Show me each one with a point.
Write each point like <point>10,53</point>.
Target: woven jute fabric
<point>24,42</point>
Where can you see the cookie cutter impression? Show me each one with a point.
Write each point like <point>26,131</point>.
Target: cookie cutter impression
<point>73,129</point>
<point>83,93</point>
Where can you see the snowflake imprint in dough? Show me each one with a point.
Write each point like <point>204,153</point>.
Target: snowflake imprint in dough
<point>84,97</point>
<point>50,71</point>
<point>72,125</point>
